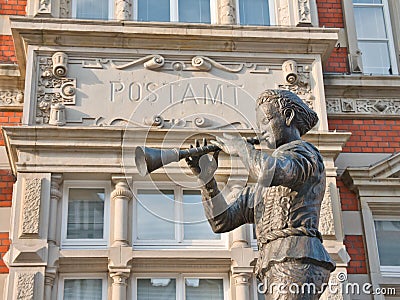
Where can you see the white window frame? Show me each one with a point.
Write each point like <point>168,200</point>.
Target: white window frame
<point>86,243</point>
<point>110,9</point>
<point>389,33</point>
<point>179,241</point>
<point>174,11</point>
<point>63,277</point>
<point>393,271</point>
<point>180,281</point>
<point>271,7</point>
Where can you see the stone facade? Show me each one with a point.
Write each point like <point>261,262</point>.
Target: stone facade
<point>88,92</point>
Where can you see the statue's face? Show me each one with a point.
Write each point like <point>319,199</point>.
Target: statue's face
<point>271,124</point>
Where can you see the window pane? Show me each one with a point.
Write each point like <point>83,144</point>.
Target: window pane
<point>375,57</point>
<point>92,9</point>
<point>204,289</point>
<point>85,214</point>
<point>368,1</point>
<point>196,226</point>
<point>254,12</point>
<point>388,237</point>
<point>77,289</point>
<point>197,11</point>
<point>370,23</point>
<point>155,215</point>
<point>156,289</point>
<point>153,10</point>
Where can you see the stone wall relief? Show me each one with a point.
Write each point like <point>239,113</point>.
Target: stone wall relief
<point>11,98</point>
<point>54,90</point>
<point>357,106</point>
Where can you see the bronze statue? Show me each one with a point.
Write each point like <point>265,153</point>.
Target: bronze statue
<point>285,203</point>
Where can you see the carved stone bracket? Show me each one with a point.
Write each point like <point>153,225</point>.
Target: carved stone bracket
<point>301,86</point>
<point>304,13</point>
<point>350,106</point>
<point>44,7</point>
<point>53,86</point>
<point>11,98</point>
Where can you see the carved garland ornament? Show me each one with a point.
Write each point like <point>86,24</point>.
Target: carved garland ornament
<point>53,86</point>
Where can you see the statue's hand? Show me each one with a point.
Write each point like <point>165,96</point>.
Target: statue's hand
<point>230,144</point>
<point>204,165</point>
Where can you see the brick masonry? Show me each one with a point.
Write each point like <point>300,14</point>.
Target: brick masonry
<point>7,50</point>
<point>12,7</point>
<point>4,245</point>
<point>355,248</point>
<point>369,136</point>
<point>330,14</point>
<point>9,118</point>
<point>6,188</point>
<point>348,199</point>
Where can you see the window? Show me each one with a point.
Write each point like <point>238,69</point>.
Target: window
<point>387,237</point>
<point>85,214</point>
<point>74,287</point>
<point>374,36</point>
<point>92,9</point>
<point>255,12</point>
<point>190,11</point>
<point>171,216</point>
<point>180,286</point>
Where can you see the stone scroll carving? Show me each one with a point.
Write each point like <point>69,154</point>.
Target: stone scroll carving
<point>53,86</point>
<point>25,286</point>
<point>11,98</point>
<point>31,208</point>
<point>197,63</point>
<point>350,106</point>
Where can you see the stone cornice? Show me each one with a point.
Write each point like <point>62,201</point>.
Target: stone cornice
<point>379,180</point>
<point>75,143</point>
<point>172,36</point>
<point>361,85</point>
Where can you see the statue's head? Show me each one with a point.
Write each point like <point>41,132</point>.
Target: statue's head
<point>282,117</point>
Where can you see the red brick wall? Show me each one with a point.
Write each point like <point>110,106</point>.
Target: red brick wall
<point>6,188</point>
<point>348,199</point>
<point>330,14</point>
<point>7,50</point>
<point>4,245</point>
<point>12,7</point>
<point>369,136</point>
<point>355,248</point>
<point>9,118</point>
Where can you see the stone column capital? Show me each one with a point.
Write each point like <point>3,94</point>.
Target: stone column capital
<point>242,278</point>
<point>122,189</point>
<point>120,277</point>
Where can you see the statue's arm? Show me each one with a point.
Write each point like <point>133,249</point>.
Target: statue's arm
<point>223,217</point>
<point>289,169</point>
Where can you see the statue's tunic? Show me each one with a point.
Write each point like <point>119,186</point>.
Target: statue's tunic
<point>284,204</point>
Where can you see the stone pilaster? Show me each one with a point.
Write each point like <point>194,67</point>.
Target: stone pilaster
<point>48,284</point>
<point>226,12</point>
<point>242,285</point>
<point>55,197</point>
<point>119,284</point>
<point>123,9</point>
<point>121,197</point>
